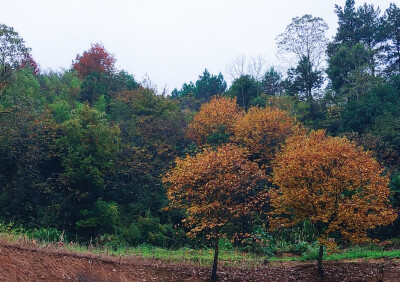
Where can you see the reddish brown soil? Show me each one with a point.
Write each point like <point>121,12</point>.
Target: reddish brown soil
<point>38,264</point>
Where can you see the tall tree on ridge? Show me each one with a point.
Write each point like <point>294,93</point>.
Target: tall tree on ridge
<point>12,53</point>
<point>305,39</point>
<point>95,66</point>
<point>391,31</point>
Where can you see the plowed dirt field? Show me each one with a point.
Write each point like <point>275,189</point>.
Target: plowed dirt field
<point>23,263</point>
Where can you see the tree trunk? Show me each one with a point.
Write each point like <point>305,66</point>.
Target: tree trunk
<point>320,255</point>
<point>215,264</point>
<point>398,56</point>
<point>310,100</point>
<point>244,105</point>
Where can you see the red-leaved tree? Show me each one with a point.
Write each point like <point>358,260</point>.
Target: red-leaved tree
<point>29,62</point>
<point>97,60</point>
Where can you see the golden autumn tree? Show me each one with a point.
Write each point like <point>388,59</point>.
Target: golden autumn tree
<point>264,131</point>
<point>215,121</point>
<point>215,188</point>
<point>331,183</point>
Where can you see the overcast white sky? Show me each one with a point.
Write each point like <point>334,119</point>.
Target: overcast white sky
<point>172,41</point>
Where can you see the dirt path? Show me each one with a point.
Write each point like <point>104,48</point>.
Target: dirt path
<point>29,264</point>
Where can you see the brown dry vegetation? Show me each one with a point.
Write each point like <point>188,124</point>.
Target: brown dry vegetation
<point>22,262</point>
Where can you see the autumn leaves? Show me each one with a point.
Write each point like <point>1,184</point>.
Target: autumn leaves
<point>227,179</point>
<point>265,158</point>
<point>331,183</point>
<point>215,188</point>
<point>215,122</point>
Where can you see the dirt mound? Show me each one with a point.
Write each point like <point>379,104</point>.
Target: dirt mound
<point>33,264</point>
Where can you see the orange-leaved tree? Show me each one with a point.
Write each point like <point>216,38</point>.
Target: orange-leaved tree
<point>333,184</point>
<point>215,121</point>
<point>264,131</point>
<point>215,188</point>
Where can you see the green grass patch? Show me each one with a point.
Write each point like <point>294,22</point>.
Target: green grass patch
<point>192,256</point>
<point>357,252</point>
<point>228,256</point>
<point>368,254</point>
<point>201,257</point>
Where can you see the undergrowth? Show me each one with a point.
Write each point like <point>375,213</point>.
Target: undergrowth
<point>282,251</point>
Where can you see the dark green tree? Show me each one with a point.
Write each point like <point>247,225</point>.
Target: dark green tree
<point>187,88</point>
<point>192,95</point>
<point>344,61</point>
<point>27,157</point>
<point>60,86</point>
<point>361,114</point>
<point>245,89</point>
<point>271,83</point>
<point>369,33</point>
<point>209,85</point>
<point>359,26</point>
<point>304,81</point>
<point>152,135</point>
<point>122,80</point>
<point>95,85</point>
<point>391,33</point>
<point>87,146</point>
<point>349,24</point>
<point>27,162</point>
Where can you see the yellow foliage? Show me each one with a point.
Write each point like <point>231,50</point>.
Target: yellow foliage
<point>219,112</point>
<point>333,184</point>
<point>215,187</point>
<point>264,131</point>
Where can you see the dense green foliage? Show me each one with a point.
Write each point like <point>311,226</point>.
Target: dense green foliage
<point>84,150</point>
